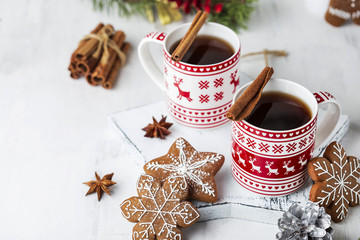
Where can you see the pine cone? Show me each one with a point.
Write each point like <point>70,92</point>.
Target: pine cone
<point>301,224</point>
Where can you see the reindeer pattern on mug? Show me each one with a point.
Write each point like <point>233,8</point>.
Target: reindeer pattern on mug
<point>199,96</point>
<point>270,167</point>
<point>182,93</point>
<point>217,93</point>
<point>271,163</point>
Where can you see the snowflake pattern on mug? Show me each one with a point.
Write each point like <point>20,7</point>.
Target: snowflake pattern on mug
<point>204,85</point>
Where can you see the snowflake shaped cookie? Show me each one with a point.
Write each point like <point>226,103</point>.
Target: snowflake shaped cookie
<point>336,177</point>
<point>159,210</point>
<point>197,168</point>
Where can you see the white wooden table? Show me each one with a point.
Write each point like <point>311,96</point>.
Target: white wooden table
<point>54,130</point>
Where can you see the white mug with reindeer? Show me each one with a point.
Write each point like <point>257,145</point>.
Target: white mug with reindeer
<point>198,96</point>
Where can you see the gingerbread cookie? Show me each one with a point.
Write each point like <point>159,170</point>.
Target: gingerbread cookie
<point>159,210</point>
<point>198,168</point>
<point>340,11</point>
<point>336,177</point>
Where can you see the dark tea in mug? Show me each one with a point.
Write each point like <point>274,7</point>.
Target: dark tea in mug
<point>206,50</point>
<point>279,111</point>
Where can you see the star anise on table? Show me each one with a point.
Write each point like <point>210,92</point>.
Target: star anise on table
<point>157,129</point>
<point>100,185</point>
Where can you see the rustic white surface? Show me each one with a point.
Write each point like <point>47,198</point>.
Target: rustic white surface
<point>53,130</point>
<point>234,200</point>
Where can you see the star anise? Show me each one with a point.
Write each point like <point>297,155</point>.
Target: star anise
<point>157,129</point>
<point>100,185</point>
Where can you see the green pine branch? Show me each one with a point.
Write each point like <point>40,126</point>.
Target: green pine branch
<point>125,8</point>
<point>235,13</point>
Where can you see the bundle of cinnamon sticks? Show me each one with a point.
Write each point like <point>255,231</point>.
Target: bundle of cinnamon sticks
<point>100,56</point>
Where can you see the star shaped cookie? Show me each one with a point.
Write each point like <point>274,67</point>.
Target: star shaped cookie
<point>197,168</point>
<point>336,177</point>
<point>159,210</point>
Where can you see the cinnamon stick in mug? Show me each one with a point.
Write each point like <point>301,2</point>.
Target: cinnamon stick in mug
<point>244,105</point>
<point>190,36</point>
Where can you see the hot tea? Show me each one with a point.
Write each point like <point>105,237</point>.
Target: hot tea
<point>206,50</point>
<point>279,111</point>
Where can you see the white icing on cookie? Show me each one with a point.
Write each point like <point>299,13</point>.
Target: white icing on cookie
<point>184,165</point>
<point>161,207</point>
<point>339,13</point>
<point>342,186</point>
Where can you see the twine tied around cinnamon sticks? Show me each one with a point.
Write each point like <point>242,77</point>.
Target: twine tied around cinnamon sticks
<point>99,56</point>
<point>104,43</point>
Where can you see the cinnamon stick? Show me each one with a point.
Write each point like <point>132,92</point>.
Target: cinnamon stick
<point>91,45</point>
<point>74,73</point>
<point>109,82</point>
<point>195,20</point>
<point>244,105</point>
<point>190,36</point>
<point>82,43</point>
<point>88,77</point>
<point>106,63</point>
<point>87,65</point>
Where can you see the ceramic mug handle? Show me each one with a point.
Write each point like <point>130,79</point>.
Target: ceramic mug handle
<point>332,117</point>
<point>146,59</point>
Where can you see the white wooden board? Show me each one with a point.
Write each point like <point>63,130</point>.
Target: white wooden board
<point>234,201</point>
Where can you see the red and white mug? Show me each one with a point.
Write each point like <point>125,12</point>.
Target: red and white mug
<point>198,96</point>
<point>272,162</point>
